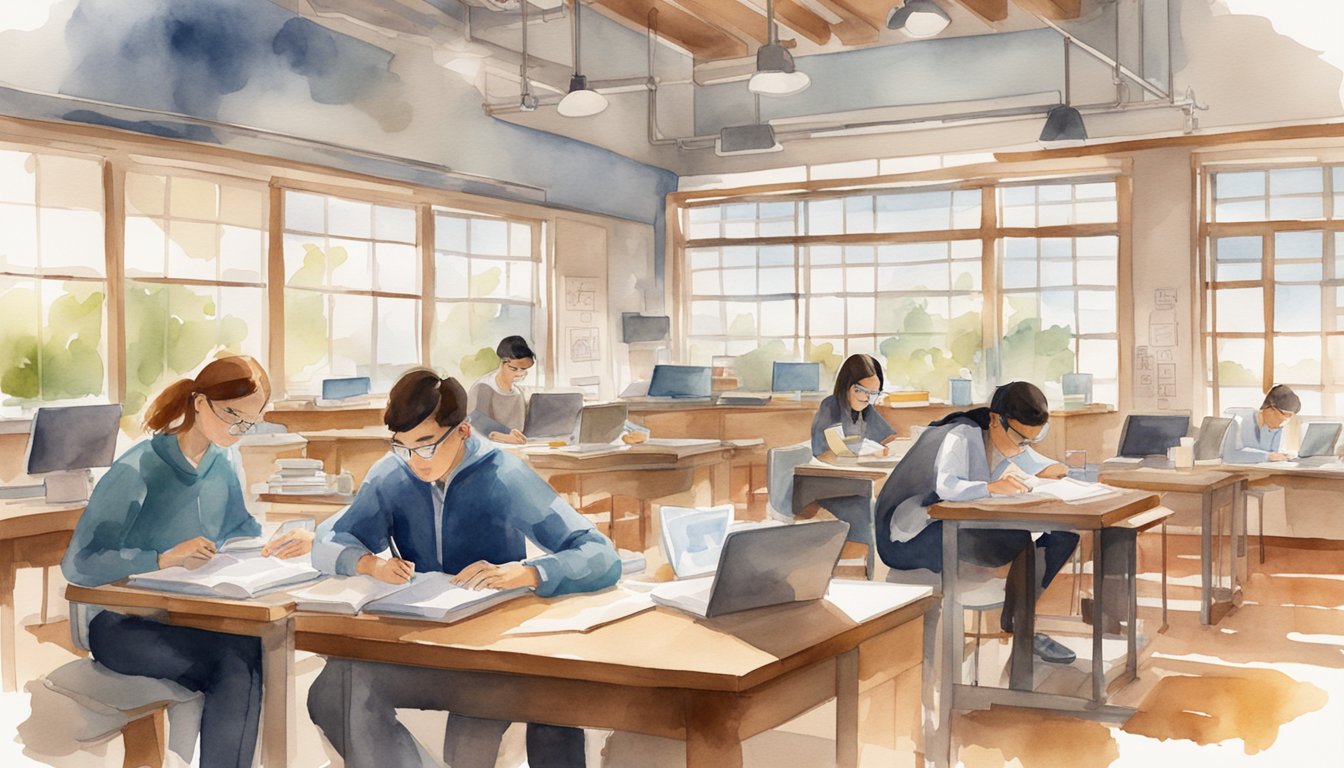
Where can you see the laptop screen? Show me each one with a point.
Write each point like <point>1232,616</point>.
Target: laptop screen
<point>552,414</point>
<point>1319,439</point>
<point>795,377</point>
<point>680,381</point>
<point>602,423</point>
<point>770,565</point>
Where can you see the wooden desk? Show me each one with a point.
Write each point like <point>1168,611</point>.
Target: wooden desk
<point>1004,514</point>
<point>348,450</point>
<point>303,416</point>
<point>32,534</point>
<point>641,473</point>
<point>1217,490</point>
<point>268,618</point>
<point>710,682</point>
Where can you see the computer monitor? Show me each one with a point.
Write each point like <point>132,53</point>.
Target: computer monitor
<point>1151,435</point>
<point>340,389</point>
<point>636,328</point>
<point>795,377</point>
<point>1319,439</point>
<point>552,414</point>
<point>66,442</point>
<point>680,381</point>
<point>1212,433</point>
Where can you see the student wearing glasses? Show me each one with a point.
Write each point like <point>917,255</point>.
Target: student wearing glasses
<point>963,457</point>
<point>1255,436</point>
<point>446,500</point>
<point>496,402</point>
<point>172,500</point>
<point>850,405</point>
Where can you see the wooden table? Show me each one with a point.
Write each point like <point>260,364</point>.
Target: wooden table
<point>1037,515</point>
<point>32,534</point>
<point>269,618</point>
<point>348,450</point>
<point>710,682</point>
<point>644,473</point>
<point>1217,490</point>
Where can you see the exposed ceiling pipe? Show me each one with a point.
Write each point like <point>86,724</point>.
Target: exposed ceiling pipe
<point>1140,80</point>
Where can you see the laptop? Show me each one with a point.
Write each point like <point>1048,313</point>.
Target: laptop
<point>692,538</point>
<point>762,566</point>
<point>1318,444</point>
<point>601,424</point>
<point>683,382</point>
<point>552,415</point>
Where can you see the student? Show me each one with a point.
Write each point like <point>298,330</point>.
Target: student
<point>495,401</point>
<point>963,457</point>
<point>1255,436</point>
<point>850,405</point>
<point>171,500</point>
<point>445,500</point>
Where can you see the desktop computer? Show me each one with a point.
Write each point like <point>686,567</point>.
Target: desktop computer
<point>66,442</point>
<point>1152,434</point>
<point>788,376</point>
<point>681,381</point>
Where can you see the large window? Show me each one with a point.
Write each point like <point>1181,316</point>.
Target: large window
<point>1274,282</point>
<point>899,273</point>
<point>195,276</point>
<point>53,279</point>
<point>486,287</point>
<point>352,291</point>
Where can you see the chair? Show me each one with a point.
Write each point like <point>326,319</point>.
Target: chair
<point>982,589</point>
<point>1212,437</point>
<point>1259,492</point>
<point>780,463</point>
<point>110,702</point>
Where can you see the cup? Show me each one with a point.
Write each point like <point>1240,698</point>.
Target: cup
<point>1075,462</point>
<point>1182,456</point>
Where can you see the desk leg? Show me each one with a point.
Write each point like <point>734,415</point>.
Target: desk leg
<point>713,737</point>
<point>1164,575</point>
<point>1206,557</point>
<point>1132,577</point>
<point>1023,576</point>
<point>7,621</point>
<point>279,745</point>
<point>1098,616</point>
<point>847,710</point>
<point>949,675</point>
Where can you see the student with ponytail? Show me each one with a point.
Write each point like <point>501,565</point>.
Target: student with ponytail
<point>171,500</point>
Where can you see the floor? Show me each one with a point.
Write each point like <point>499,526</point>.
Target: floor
<point>1265,687</point>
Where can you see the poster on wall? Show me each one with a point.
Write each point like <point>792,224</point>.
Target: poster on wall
<point>583,341</point>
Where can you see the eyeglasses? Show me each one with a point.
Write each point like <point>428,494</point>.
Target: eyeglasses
<point>518,371</point>
<point>424,451</point>
<point>1024,441</point>
<point>239,425</point>
<point>1285,414</point>
<point>859,389</point>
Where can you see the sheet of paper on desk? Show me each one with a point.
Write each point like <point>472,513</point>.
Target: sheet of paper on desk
<point>1124,460</point>
<point>1068,489</point>
<point>865,600</point>
<point>621,605</point>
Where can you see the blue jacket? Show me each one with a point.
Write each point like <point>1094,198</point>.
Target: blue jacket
<point>151,500</point>
<point>492,503</point>
<point>1247,441</point>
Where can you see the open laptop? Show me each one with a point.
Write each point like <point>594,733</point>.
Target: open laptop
<point>1318,444</point>
<point>1145,438</point>
<point>552,415</point>
<point>601,424</point>
<point>688,383</point>
<point>692,537</point>
<point>760,567</point>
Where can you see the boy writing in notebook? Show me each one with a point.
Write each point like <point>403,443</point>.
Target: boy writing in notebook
<point>445,500</point>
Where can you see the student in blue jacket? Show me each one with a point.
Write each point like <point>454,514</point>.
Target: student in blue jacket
<point>171,500</point>
<point>963,457</point>
<point>446,500</point>
<point>1256,436</point>
<point>850,405</point>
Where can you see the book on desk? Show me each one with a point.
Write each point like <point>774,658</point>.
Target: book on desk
<point>233,576</point>
<point>430,595</point>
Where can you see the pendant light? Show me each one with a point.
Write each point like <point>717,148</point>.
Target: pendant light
<point>1064,122</point>
<point>581,101</point>
<point>775,71</point>
<point>919,18</point>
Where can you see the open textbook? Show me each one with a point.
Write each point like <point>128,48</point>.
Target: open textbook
<point>342,594</point>
<point>1064,488</point>
<point>852,445</point>
<point>227,575</point>
<point>434,596</point>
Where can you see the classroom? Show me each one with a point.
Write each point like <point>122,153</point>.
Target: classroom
<point>644,383</point>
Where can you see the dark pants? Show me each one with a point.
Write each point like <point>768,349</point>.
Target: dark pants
<point>354,703</point>
<point>984,547</point>
<point>226,668</point>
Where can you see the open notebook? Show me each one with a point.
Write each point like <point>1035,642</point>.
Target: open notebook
<point>1064,488</point>
<point>227,575</point>
<point>426,596</point>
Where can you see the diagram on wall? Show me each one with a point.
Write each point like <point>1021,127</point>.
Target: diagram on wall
<point>581,293</point>
<point>1155,372</point>
<point>583,337</point>
<point>583,345</point>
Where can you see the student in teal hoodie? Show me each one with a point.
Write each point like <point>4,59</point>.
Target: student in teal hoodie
<point>446,500</point>
<point>171,500</point>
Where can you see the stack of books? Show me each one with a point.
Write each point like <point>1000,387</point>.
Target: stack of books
<point>300,477</point>
<point>905,398</point>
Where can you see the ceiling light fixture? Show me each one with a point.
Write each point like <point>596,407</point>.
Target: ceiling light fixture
<point>775,71</point>
<point>919,18</point>
<point>1064,122</point>
<point>581,101</point>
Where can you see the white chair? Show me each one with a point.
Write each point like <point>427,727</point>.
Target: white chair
<point>1259,492</point>
<point>981,589</point>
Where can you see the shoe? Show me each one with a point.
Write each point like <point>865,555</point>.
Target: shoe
<point>1050,650</point>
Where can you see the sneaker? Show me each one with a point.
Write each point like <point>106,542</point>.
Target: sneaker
<point>1050,650</point>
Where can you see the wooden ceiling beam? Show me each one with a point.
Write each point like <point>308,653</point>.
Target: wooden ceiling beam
<point>795,16</point>
<point>1053,9</point>
<point>853,28</point>
<point>702,40</point>
<point>988,10</point>
<point>731,17</point>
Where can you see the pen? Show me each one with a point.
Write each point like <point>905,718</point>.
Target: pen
<point>392,545</point>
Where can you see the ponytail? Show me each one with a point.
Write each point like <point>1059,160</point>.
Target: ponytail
<point>227,378</point>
